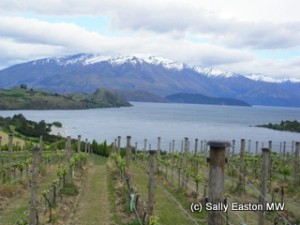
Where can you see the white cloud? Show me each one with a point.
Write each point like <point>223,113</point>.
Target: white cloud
<point>230,29</point>
<point>268,24</point>
<point>72,38</point>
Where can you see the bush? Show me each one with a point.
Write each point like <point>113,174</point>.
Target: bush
<point>57,124</point>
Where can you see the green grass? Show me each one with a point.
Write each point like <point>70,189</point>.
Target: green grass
<point>99,160</point>
<point>93,206</point>
<point>5,139</point>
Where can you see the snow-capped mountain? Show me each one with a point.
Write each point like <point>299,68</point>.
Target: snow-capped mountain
<point>89,59</point>
<point>154,74</point>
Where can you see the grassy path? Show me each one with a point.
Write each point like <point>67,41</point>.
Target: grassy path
<point>93,206</point>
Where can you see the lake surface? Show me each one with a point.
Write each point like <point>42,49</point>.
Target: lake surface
<point>172,121</point>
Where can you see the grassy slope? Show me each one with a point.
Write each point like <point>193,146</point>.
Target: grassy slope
<point>33,99</point>
<point>5,139</point>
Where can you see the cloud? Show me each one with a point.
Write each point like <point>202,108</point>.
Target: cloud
<point>34,36</point>
<point>234,24</point>
<point>278,69</point>
<point>210,33</point>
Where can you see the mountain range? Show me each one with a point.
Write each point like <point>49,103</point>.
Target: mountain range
<point>156,76</point>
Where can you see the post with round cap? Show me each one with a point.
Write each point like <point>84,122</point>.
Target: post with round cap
<point>264,181</point>
<point>86,146</point>
<point>158,154</point>
<point>69,156</point>
<point>145,149</point>
<point>119,145</point>
<point>79,144</point>
<point>151,185</point>
<point>135,149</point>
<point>184,163</point>
<point>216,179</point>
<point>241,182</point>
<point>33,213</point>
<point>128,150</point>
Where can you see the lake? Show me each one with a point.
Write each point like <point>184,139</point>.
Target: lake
<point>172,121</point>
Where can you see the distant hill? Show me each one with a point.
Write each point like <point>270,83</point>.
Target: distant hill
<point>292,126</point>
<point>202,99</point>
<point>139,96</point>
<point>20,98</point>
<point>153,74</point>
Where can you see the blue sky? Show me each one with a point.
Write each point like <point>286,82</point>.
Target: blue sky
<point>233,35</point>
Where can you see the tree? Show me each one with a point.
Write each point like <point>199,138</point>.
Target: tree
<point>23,86</point>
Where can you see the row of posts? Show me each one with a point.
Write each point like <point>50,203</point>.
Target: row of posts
<point>36,156</point>
<point>216,173</point>
<point>203,146</point>
<point>217,155</point>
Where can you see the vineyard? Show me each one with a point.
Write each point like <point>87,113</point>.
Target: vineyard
<point>76,182</point>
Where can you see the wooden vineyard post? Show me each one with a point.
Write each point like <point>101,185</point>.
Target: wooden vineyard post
<point>119,145</point>
<point>216,179</point>
<point>33,213</point>
<point>296,166</point>
<point>241,182</point>
<point>0,144</point>
<point>184,162</point>
<point>173,146</point>
<point>196,156</point>
<point>249,146</point>
<point>86,146</point>
<point>264,181</point>
<point>284,149</point>
<point>196,147</point>
<point>158,145</point>
<point>158,154</point>
<point>69,155</point>
<point>10,154</point>
<point>256,147</point>
<point>128,151</point>
<point>270,165</point>
<point>151,186</point>
<point>293,145</point>
<point>89,148</point>
<point>145,149</point>
<point>135,150</point>
<point>233,148</point>
<point>79,144</point>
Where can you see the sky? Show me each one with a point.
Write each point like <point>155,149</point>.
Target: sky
<point>242,36</point>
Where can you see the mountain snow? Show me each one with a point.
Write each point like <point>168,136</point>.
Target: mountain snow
<point>260,77</point>
<point>88,59</point>
<point>213,72</point>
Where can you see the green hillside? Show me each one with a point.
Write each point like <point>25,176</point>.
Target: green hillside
<point>22,98</point>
